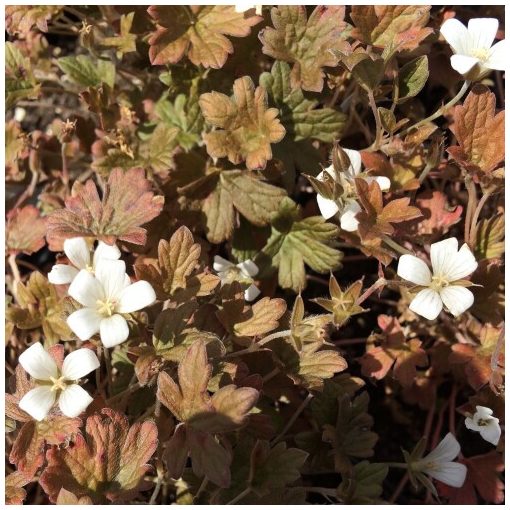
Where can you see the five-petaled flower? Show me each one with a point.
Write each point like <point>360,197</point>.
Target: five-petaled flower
<point>483,421</point>
<point>243,7</point>
<point>107,295</point>
<point>438,463</point>
<point>78,252</point>
<point>444,286</point>
<point>242,272</point>
<point>54,384</point>
<point>474,56</point>
<point>347,206</point>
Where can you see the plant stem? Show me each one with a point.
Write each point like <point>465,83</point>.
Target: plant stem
<point>294,417</point>
<point>270,375</point>
<point>239,496</point>
<point>65,168</point>
<point>107,362</point>
<point>201,488</point>
<point>441,110</point>
<point>399,489</point>
<point>378,123</point>
<point>155,493</point>
<point>473,229</point>
<point>398,465</point>
<point>278,334</point>
<point>471,189</point>
<point>14,269</point>
<point>378,284</point>
<point>395,246</point>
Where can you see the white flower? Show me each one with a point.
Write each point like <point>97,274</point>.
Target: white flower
<point>54,384</point>
<point>483,422</point>
<point>449,264</point>
<point>349,208</point>
<point>438,465</point>
<point>243,7</point>
<point>105,296</point>
<point>243,273</point>
<point>473,54</point>
<point>78,252</point>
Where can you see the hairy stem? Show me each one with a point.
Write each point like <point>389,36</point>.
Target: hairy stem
<point>441,110</point>
<point>278,334</point>
<point>474,227</point>
<point>471,189</point>
<point>381,282</point>
<point>395,246</point>
<point>378,123</point>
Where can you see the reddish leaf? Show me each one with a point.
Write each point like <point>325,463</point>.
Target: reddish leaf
<point>126,204</point>
<point>479,132</point>
<point>14,492</point>
<point>394,351</point>
<point>438,216</point>
<point>108,463</point>
<point>25,230</point>
<point>482,479</point>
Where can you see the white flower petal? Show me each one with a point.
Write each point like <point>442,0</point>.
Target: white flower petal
<point>221,264</point>
<point>456,35</point>
<point>498,56</point>
<point>427,303</point>
<point>135,297</point>
<point>484,412</point>
<point>482,32</point>
<point>77,251</point>
<point>414,270</point>
<point>86,289</point>
<point>456,298</point>
<point>38,363</point>
<point>248,268</point>
<point>73,401</point>
<point>355,158</point>
<point>79,363</point>
<point>62,274</point>
<point>251,292</point>
<point>114,330</point>
<point>491,432</point>
<point>105,251</point>
<point>450,473</point>
<point>384,182</point>
<point>327,207</point>
<point>112,275</point>
<point>462,264</point>
<point>446,450</point>
<point>38,402</point>
<point>348,220</point>
<point>472,424</point>
<point>84,323</point>
<point>442,253</point>
<point>463,63</point>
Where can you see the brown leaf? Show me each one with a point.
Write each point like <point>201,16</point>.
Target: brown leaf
<point>68,498</point>
<point>14,492</point>
<point>107,463</point>
<point>376,219</point>
<point>127,203</point>
<point>25,230</point>
<point>383,25</point>
<point>19,19</point>
<point>479,132</point>
<point>394,351</point>
<point>306,43</point>
<point>262,318</point>
<point>20,386</point>
<point>246,126</point>
<point>198,31</point>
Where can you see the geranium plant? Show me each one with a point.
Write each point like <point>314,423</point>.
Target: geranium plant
<point>254,254</point>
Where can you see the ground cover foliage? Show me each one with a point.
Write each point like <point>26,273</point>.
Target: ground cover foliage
<point>254,255</point>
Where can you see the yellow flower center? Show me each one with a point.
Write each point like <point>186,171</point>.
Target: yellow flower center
<point>481,54</point>
<point>106,308</point>
<point>482,423</point>
<point>438,282</point>
<point>58,383</point>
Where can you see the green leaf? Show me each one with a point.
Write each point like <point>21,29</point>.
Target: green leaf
<point>305,42</point>
<point>490,235</point>
<point>364,486</point>
<point>158,151</point>
<point>369,72</point>
<point>20,82</point>
<point>273,468</point>
<point>301,117</point>
<point>185,115</point>
<point>85,71</point>
<point>125,42</point>
<point>295,242</point>
<point>412,78</point>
